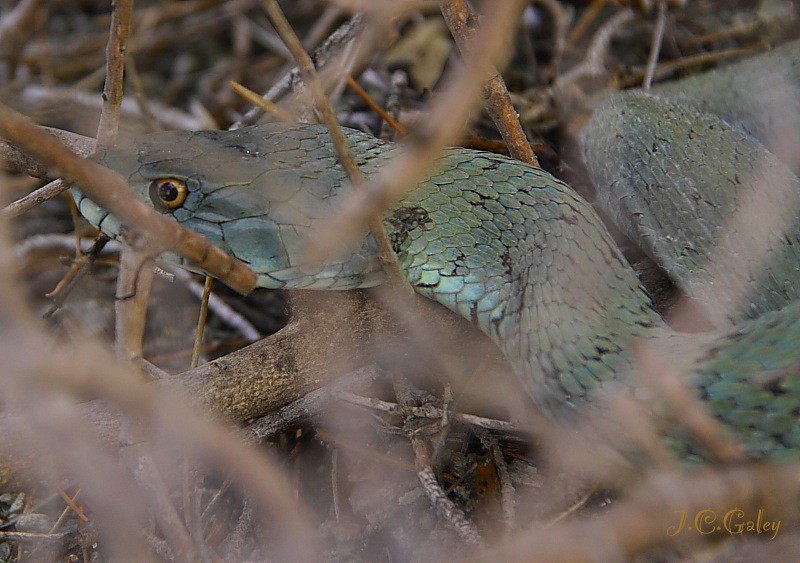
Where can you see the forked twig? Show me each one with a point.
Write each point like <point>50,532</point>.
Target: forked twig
<point>445,508</point>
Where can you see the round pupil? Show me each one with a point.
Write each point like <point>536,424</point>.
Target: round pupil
<point>168,191</point>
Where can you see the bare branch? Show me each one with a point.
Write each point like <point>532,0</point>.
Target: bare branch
<point>115,68</point>
<point>497,101</point>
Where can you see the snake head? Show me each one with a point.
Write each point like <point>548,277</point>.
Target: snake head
<point>255,192</point>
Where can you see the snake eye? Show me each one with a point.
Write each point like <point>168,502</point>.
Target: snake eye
<point>168,194</point>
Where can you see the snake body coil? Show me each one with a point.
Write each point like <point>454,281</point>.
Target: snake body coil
<point>521,255</point>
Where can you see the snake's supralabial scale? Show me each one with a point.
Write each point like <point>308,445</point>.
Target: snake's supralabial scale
<point>701,173</point>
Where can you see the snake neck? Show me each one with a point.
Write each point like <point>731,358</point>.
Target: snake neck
<point>530,263</point>
<point>520,255</point>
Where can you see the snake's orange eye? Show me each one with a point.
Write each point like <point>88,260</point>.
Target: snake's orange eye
<point>168,194</point>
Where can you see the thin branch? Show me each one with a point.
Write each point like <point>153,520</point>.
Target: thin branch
<point>135,268</point>
<point>586,19</point>
<point>497,101</point>
<point>201,322</point>
<point>390,121</point>
<point>561,15</point>
<point>507,490</point>
<point>592,64</point>
<point>78,268</point>
<point>655,45</point>
<point>264,104</point>
<point>216,304</point>
<point>426,411</point>
<point>336,44</point>
<point>71,503</point>
<point>669,67</point>
<point>134,281</point>
<point>166,515</point>
<point>115,69</point>
<point>445,508</point>
<point>15,160</point>
<point>36,197</point>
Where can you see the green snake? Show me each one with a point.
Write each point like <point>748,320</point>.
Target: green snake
<point>521,255</point>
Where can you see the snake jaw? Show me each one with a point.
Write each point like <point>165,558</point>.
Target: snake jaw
<point>98,217</point>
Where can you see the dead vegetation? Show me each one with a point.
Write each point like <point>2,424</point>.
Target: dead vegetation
<point>357,431</point>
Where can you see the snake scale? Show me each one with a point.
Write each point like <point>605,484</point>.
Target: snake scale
<point>526,259</point>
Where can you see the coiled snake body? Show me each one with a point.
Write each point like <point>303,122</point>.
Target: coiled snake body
<point>526,259</point>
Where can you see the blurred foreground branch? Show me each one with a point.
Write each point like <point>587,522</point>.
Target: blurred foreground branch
<point>663,508</point>
<point>44,425</point>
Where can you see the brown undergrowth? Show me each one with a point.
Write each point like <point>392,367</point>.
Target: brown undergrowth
<point>371,426</point>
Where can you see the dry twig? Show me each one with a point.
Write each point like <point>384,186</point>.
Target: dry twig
<point>497,102</point>
<point>445,508</point>
<point>655,45</point>
<point>427,411</point>
<point>115,68</point>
